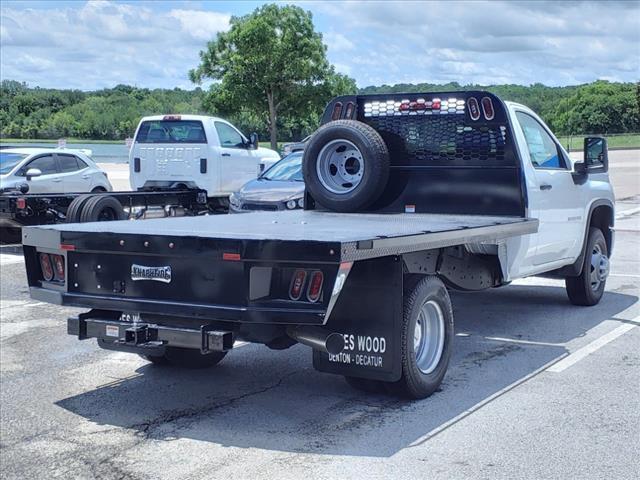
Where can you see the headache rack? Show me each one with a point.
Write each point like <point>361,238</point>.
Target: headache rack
<point>450,152</point>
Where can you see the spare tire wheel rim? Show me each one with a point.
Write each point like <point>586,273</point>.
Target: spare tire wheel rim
<point>428,337</point>
<point>340,166</point>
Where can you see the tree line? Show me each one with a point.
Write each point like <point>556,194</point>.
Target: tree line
<point>113,114</point>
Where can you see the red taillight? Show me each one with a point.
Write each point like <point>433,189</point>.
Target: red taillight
<point>172,117</point>
<point>67,246</point>
<point>474,108</point>
<point>315,286</point>
<point>337,111</point>
<point>21,203</point>
<point>234,257</point>
<point>349,111</point>
<point>45,266</point>
<point>58,264</point>
<point>487,108</point>
<point>297,283</point>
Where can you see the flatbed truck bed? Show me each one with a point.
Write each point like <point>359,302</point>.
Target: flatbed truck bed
<point>351,236</point>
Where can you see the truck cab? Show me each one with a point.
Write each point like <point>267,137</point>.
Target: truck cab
<point>561,194</point>
<point>194,151</point>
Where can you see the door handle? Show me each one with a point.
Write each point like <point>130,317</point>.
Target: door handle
<point>56,180</point>
<point>546,186</point>
<point>226,154</point>
<point>86,176</point>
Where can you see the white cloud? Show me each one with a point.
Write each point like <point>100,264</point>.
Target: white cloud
<point>337,42</point>
<point>202,26</point>
<point>102,43</point>
<point>489,42</point>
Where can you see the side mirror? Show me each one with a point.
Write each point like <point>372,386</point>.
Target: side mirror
<point>32,173</point>
<point>580,168</point>
<point>253,141</point>
<point>596,155</point>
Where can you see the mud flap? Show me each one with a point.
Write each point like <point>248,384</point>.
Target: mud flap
<point>369,315</point>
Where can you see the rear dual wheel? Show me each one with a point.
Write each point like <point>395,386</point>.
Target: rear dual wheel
<point>426,342</point>
<point>94,208</point>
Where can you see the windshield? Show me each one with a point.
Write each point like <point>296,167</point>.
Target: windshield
<point>171,131</point>
<point>288,169</point>
<point>9,160</point>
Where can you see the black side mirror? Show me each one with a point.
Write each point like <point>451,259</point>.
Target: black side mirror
<point>596,155</point>
<point>253,141</point>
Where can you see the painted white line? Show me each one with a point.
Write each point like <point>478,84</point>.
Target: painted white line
<point>628,213</point>
<point>624,275</point>
<point>484,402</point>
<point>7,259</point>
<point>525,342</point>
<point>587,350</point>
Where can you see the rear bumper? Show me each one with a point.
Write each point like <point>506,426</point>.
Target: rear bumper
<point>228,313</point>
<point>147,338</point>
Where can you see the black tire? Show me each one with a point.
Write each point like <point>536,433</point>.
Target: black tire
<point>366,385</point>
<point>375,159</point>
<point>75,208</point>
<point>415,383</point>
<point>156,360</point>
<point>580,289</point>
<point>186,358</point>
<point>102,208</point>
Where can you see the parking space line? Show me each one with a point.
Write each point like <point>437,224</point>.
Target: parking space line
<point>594,346</point>
<point>628,213</point>
<point>489,399</point>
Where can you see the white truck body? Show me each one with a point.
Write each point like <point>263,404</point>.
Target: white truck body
<point>194,151</point>
<point>561,205</point>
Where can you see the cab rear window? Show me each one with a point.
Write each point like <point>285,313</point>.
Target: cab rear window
<point>171,131</point>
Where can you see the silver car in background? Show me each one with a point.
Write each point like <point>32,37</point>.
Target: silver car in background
<point>48,170</point>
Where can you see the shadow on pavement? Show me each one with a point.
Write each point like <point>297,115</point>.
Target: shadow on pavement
<point>271,400</point>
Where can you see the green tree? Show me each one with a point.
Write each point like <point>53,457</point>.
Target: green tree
<point>271,62</point>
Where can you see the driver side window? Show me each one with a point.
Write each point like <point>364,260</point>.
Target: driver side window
<point>543,151</point>
<point>46,164</point>
<point>229,136</point>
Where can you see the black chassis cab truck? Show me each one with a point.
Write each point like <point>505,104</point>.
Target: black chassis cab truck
<point>408,196</point>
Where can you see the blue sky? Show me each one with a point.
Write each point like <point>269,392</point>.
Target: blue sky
<point>96,44</point>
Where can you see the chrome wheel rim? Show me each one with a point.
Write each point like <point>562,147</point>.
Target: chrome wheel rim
<point>599,268</point>
<point>340,166</point>
<point>428,337</point>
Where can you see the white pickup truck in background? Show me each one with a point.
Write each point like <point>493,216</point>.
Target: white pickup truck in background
<point>195,151</point>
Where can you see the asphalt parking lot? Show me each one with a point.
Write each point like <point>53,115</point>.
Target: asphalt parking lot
<point>537,388</point>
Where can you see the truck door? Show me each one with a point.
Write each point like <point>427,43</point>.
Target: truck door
<point>553,196</point>
<point>237,164</point>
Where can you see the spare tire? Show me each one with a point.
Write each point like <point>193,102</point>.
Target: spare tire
<point>102,208</point>
<point>346,165</point>
<point>75,208</point>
